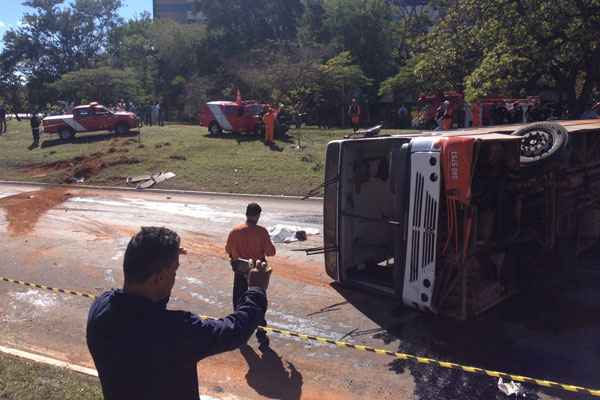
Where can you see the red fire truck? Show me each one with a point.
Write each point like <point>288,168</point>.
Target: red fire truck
<point>90,118</point>
<point>476,114</point>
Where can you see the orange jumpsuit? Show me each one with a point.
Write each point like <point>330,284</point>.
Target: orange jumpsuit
<point>269,119</point>
<point>447,121</point>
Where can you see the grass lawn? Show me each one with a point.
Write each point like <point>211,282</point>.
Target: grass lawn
<point>25,380</point>
<point>228,163</point>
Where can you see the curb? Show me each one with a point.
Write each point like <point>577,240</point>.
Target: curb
<point>71,367</point>
<point>48,361</point>
<point>162,191</point>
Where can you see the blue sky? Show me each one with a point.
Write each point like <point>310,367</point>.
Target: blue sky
<point>11,11</point>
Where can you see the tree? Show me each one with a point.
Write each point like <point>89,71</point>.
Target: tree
<point>277,74</point>
<point>55,39</point>
<point>104,84</point>
<point>312,29</point>
<point>365,28</point>
<point>506,47</point>
<point>238,26</point>
<point>341,80</point>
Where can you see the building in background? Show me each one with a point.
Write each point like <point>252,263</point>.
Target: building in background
<point>182,11</point>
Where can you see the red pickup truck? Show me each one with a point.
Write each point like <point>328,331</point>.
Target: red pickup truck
<point>90,118</point>
<point>230,116</point>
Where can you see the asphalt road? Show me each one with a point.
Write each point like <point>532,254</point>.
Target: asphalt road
<point>75,239</point>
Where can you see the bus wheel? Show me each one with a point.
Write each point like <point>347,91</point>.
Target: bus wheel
<point>541,141</point>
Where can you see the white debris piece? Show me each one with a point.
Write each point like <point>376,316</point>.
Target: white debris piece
<point>510,388</point>
<point>287,233</point>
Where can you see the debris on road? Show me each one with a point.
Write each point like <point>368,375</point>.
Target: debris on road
<point>137,179</point>
<point>147,181</point>
<point>510,388</point>
<point>288,233</point>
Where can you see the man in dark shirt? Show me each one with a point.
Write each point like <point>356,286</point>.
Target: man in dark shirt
<point>144,351</point>
<point>2,119</point>
<point>35,123</point>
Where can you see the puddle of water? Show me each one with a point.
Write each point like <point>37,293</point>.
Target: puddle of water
<point>208,300</point>
<point>293,323</point>
<point>36,298</point>
<point>185,210</point>
<point>193,281</point>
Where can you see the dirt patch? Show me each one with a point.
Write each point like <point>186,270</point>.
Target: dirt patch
<point>178,157</point>
<point>25,209</point>
<point>77,168</point>
<point>310,274</point>
<point>103,231</point>
<point>91,167</point>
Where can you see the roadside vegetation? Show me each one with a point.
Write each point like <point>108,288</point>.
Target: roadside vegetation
<point>311,55</point>
<point>26,380</point>
<point>227,163</point>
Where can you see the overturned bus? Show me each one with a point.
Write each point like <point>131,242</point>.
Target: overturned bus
<point>455,223</point>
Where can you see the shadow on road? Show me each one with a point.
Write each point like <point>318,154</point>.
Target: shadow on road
<point>88,139</point>
<point>269,377</point>
<point>549,331</point>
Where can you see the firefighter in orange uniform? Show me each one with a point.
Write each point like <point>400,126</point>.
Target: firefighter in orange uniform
<point>269,119</point>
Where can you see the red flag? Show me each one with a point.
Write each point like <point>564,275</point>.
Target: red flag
<point>238,97</point>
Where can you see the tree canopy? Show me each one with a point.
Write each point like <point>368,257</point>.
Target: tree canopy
<point>300,50</point>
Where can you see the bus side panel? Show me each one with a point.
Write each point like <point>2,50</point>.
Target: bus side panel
<point>330,210</point>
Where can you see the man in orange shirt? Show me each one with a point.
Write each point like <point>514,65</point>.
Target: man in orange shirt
<point>270,118</point>
<point>248,241</point>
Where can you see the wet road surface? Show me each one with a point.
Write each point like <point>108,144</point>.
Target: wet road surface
<point>75,239</point>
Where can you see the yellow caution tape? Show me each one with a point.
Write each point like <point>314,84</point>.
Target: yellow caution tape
<point>401,356</point>
<point>55,290</point>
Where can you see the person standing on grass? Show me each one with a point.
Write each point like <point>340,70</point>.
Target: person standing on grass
<point>161,114</point>
<point>248,241</point>
<point>402,116</point>
<point>354,114</point>
<point>269,119</point>
<point>155,113</point>
<point>141,349</point>
<point>35,123</point>
<point>2,119</point>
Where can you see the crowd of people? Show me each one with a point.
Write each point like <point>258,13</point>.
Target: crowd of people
<point>152,113</point>
<point>453,113</point>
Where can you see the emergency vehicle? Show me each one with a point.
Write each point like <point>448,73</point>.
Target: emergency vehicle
<point>90,118</point>
<point>480,111</point>
<point>232,116</point>
<point>455,223</point>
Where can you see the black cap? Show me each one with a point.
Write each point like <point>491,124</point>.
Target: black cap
<point>253,210</point>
